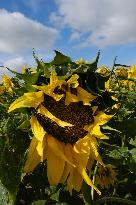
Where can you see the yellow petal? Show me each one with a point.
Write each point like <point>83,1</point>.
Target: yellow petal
<point>32,99</point>
<point>33,158</point>
<point>70,98</point>
<point>86,178</point>
<point>55,166</point>
<point>77,180</point>
<point>94,151</point>
<point>84,96</point>
<point>49,89</point>
<point>68,153</point>
<point>73,81</point>
<point>82,145</point>
<point>96,132</point>
<point>101,118</point>
<point>57,148</point>
<point>37,129</point>
<point>81,161</point>
<point>42,110</point>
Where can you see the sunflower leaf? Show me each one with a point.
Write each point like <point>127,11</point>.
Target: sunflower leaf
<point>60,59</point>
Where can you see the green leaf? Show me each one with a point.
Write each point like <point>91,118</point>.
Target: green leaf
<point>41,66</point>
<point>30,78</point>
<point>86,190</point>
<point>60,59</point>
<point>93,66</point>
<point>133,142</point>
<point>132,160</point>
<point>106,127</point>
<point>128,126</point>
<point>3,195</point>
<point>121,153</point>
<point>39,202</point>
<point>13,145</point>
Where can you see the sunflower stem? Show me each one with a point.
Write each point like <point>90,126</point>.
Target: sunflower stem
<point>114,199</point>
<point>94,176</point>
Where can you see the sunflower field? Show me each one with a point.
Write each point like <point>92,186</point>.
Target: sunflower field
<point>68,134</point>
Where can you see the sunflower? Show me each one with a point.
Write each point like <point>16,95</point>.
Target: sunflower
<point>121,72</point>
<point>106,176</point>
<point>103,70</point>
<point>7,84</point>
<point>65,129</point>
<point>132,72</point>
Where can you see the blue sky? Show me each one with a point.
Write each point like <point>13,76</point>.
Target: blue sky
<point>75,28</point>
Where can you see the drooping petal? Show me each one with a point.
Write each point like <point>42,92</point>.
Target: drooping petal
<point>81,161</point>
<point>42,110</point>
<point>77,180</point>
<point>94,151</point>
<point>86,178</point>
<point>55,165</point>
<point>57,148</point>
<point>33,158</point>
<point>37,129</point>
<point>32,99</point>
<point>82,146</point>
<point>68,168</point>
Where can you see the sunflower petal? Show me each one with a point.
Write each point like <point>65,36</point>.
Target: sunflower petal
<point>94,151</point>
<point>33,158</point>
<point>32,99</point>
<point>96,132</point>
<point>57,148</point>
<point>101,118</point>
<point>73,81</point>
<point>68,152</point>
<point>84,96</point>
<point>54,175</point>
<point>70,98</point>
<point>77,180</point>
<point>49,89</point>
<point>86,178</point>
<point>37,129</point>
<point>42,110</point>
<point>82,145</point>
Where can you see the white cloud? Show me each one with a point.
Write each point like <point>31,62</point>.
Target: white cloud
<point>75,36</point>
<point>19,33</point>
<point>106,22</point>
<point>16,63</point>
<point>34,5</point>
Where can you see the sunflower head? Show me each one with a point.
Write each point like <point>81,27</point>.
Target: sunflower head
<point>103,70</point>
<point>132,72</point>
<point>106,176</point>
<point>121,72</point>
<point>65,122</point>
<point>7,84</point>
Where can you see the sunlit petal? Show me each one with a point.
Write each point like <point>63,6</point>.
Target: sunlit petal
<point>42,110</point>
<point>32,99</point>
<point>37,129</point>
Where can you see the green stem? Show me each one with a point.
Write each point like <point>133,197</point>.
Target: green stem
<point>94,176</point>
<point>114,199</point>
